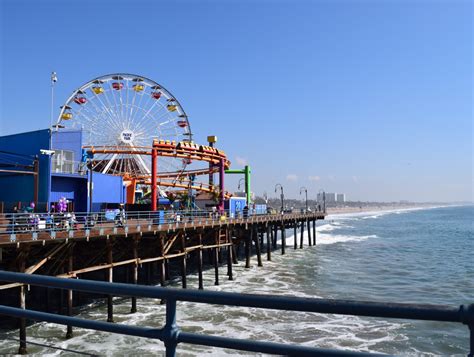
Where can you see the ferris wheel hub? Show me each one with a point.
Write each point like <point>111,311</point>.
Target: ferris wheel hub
<point>127,136</point>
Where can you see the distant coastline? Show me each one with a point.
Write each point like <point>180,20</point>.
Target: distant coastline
<point>386,207</point>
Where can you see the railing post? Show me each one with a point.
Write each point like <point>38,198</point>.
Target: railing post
<point>171,330</point>
<point>468,319</point>
<point>471,342</point>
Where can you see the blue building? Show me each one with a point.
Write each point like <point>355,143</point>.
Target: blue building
<point>62,172</point>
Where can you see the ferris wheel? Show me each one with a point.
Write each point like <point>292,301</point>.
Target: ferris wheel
<point>127,111</point>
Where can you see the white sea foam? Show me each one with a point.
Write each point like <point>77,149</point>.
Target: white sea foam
<point>377,213</point>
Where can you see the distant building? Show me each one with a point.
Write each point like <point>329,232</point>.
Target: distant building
<point>332,197</point>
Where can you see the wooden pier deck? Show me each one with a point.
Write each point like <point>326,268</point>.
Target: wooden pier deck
<point>141,251</point>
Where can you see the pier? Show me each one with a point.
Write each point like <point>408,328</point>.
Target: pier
<point>144,248</point>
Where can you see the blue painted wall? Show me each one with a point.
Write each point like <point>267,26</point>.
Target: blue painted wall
<point>70,140</point>
<point>20,188</point>
<point>235,205</point>
<point>72,188</point>
<point>106,189</point>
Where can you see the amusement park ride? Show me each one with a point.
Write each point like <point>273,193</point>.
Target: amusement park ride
<point>128,122</point>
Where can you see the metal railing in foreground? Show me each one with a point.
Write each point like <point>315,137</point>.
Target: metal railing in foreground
<point>172,335</point>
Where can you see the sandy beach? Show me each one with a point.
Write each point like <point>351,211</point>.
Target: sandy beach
<point>378,208</point>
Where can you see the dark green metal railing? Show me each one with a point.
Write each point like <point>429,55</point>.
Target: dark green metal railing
<point>172,335</point>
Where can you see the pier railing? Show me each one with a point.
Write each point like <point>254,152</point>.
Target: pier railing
<point>172,335</point>
<point>34,223</point>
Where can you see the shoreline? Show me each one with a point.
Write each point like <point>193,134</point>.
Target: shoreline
<point>339,211</point>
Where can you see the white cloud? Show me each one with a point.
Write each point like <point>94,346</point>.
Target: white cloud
<point>241,161</point>
<point>291,177</point>
<point>314,178</point>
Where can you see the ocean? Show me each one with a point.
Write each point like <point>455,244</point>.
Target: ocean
<point>406,256</point>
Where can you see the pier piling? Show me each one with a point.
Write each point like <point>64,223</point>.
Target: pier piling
<point>21,268</point>
<point>110,278</point>
<point>70,268</point>
<point>310,243</point>
<point>135,271</point>
<point>229,256</point>
<point>199,256</point>
<point>269,247</point>
<point>248,242</point>
<point>283,238</point>
<point>302,234</point>
<point>295,235</point>
<point>257,245</point>
<point>314,232</point>
<point>216,265</point>
<point>183,260</point>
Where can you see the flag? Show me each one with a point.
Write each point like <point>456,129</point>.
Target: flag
<point>54,78</point>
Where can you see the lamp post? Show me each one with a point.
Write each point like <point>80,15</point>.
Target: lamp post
<point>306,193</point>
<point>242,179</point>
<point>282,196</point>
<point>324,199</point>
<point>54,79</point>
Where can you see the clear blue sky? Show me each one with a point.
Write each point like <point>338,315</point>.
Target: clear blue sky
<point>370,98</point>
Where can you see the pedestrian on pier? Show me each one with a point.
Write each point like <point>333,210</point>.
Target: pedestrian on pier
<point>246,212</point>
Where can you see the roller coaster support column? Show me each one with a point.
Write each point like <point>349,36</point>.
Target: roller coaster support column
<point>221,185</point>
<point>246,172</point>
<point>211,140</point>
<point>154,155</point>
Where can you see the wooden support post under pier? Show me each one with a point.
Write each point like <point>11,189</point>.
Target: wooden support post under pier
<point>136,241</point>
<point>216,257</point>
<point>70,267</point>
<point>302,234</point>
<point>22,298</point>
<point>283,238</point>
<point>234,253</point>
<point>183,260</point>
<point>162,266</point>
<point>229,255</point>
<point>314,232</point>
<point>199,255</point>
<point>275,235</point>
<point>257,245</point>
<point>310,243</point>
<point>269,247</point>
<point>110,278</point>
<point>167,270</point>
<point>295,234</point>
<point>216,265</point>
<point>248,242</point>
